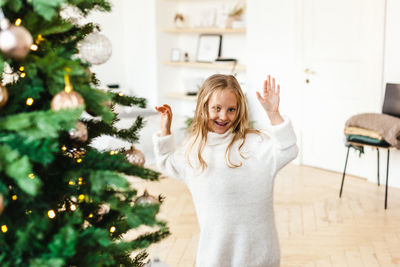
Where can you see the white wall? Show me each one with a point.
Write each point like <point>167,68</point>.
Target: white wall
<point>391,73</point>
<point>274,46</point>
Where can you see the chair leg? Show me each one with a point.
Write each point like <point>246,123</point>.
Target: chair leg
<point>344,171</point>
<point>387,177</point>
<point>377,150</point>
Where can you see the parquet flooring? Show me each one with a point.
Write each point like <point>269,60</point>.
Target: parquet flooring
<point>316,227</point>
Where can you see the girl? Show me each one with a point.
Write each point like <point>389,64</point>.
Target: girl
<point>229,169</point>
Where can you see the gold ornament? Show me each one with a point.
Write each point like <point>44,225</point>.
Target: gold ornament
<point>67,98</point>
<point>146,198</point>
<point>3,95</point>
<point>64,100</point>
<point>15,41</point>
<point>135,156</point>
<point>1,203</point>
<point>79,133</point>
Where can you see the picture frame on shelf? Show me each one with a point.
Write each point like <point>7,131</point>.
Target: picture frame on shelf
<point>175,55</point>
<point>209,47</point>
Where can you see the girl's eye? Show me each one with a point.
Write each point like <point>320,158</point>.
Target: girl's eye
<point>232,110</point>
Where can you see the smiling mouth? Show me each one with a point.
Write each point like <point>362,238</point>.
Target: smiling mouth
<point>221,124</point>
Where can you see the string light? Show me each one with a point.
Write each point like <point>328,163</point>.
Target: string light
<point>112,229</point>
<point>4,228</point>
<point>90,215</point>
<point>39,39</point>
<point>22,75</point>
<point>34,47</point>
<point>14,197</point>
<point>29,101</point>
<point>116,152</point>
<point>22,68</point>
<point>18,22</point>
<point>71,182</point>
<point>80,181</point>
<point>81,197</point>
<point>112,152</point>
<point>51,214</point>
<point>73,207</point>
<point>63,148</point>
<point>31,175</point>
<point>120,94</point>
<point>79,160</point>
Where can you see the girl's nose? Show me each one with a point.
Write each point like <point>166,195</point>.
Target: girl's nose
<point>223,115</point>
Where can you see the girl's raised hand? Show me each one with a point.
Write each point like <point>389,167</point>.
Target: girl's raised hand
<point>270,96</point>
<point>165,112</point>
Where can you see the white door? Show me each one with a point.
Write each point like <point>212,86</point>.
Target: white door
<point>343,51</point>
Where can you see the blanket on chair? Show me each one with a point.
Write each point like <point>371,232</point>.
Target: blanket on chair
<point>386,125</point>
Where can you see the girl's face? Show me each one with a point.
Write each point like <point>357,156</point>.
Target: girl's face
<point>222,111</point>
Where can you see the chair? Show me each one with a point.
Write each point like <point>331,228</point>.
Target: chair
<point>391,106</point>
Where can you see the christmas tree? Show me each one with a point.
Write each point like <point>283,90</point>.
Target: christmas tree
<point>62,202</point>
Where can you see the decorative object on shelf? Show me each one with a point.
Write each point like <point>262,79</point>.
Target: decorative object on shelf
<point>135,156</point>
<point>179,21</point>
<point>186,57</point>
<point>146,199</point>
<point>209,47</point>
<point>15,41</point>
<point>79,133</point>
<point>175,55</point>
<point>192,85</point>
<point>95,48</point>
<point>3,95</point>
<point>234,19</point>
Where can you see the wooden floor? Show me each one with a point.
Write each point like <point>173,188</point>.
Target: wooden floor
<point>316,227</point>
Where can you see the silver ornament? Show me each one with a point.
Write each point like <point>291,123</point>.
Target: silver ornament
<point>15,41</point>
<point>95,48</point>
<point>71,13</point>
<point>79,133</point>
<point>146,199</point>
<point>135,156</point>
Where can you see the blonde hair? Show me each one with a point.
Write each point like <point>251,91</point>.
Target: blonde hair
<point>199,127</point>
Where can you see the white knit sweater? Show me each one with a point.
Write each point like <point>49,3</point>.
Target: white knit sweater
<point>234,205</point>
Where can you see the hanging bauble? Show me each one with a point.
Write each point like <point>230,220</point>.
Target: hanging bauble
<point>3,95</point>
<point>146,199</point>
<point>1,203</point>
<point>15,41</point>
<point>135,156</point>
<point>79,132</point>
<point>95,48</point>
<point>8,76</point>
<point>64,100</point>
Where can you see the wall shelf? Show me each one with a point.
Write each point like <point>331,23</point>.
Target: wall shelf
<point>205,30</point>
<point>220,66</point>
<point>180,96</point>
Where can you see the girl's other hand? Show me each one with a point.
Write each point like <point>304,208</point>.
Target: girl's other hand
<point>165,112</point>
<point>270,97</point>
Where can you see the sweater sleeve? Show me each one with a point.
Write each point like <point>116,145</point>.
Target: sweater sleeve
<point>168,159</point>
<point>284,147</point>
